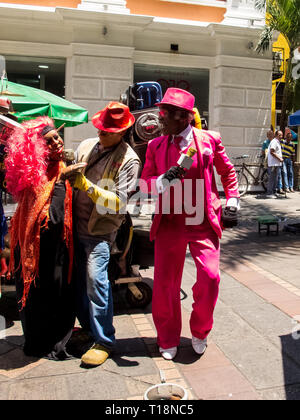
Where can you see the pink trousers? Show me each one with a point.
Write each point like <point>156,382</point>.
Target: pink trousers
<point>170,252</point>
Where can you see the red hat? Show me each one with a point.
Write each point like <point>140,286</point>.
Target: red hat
<point>179,98</point>
<point>114,118</point>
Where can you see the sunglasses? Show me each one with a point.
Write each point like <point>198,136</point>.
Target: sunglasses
<point>175,114</point>
<point>49,140</point>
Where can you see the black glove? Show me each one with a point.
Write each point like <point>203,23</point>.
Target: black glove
<point>230,217</point>
<point>175,172</point>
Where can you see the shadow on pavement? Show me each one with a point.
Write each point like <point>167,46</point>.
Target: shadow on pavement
<point>14,358</point>
<point>238,247</point>
<point>245,240</point>
<point>8,306</point>
<point>290,347</point>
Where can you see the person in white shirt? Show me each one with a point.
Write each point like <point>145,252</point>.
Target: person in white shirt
<point>274,163</point>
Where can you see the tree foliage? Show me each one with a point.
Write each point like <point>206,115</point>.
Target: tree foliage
<point>282,16</point>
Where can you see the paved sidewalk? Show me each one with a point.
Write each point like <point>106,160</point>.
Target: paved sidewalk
<point>254,348</point>
<point>132,369</point>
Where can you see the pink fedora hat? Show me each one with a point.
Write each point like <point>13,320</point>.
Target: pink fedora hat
<point>179,98</point>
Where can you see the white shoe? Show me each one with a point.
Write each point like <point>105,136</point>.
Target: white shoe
<point>199,345</point>
<point>168,354</point>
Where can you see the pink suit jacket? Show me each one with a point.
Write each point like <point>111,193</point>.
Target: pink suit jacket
<point>211,152</point>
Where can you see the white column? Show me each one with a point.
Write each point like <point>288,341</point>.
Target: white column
<point>95,75</point>
<point>111,6</point>
<point>243,13</point>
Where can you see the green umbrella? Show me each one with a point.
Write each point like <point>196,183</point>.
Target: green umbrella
<point>29,103</point>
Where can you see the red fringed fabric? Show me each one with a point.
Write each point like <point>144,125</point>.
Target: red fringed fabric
<point>32,215</point>
<point>68,227</point>
<point>31,180</point>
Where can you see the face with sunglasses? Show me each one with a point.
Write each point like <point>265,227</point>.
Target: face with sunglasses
<point>173,120</point>
<point>55,145</point>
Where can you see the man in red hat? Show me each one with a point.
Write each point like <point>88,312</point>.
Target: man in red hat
<point>189,213</point>
<point>103,187</point>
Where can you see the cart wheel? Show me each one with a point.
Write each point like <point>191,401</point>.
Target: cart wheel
<point>146,292</point>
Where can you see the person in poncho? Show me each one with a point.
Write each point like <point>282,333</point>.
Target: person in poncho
<point>41,237</point>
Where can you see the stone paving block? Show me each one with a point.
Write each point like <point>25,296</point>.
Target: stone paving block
<point>233,269</point>
<point>171,374</point>
<point>260,362</point>
<point>228,282</point>
<point>229,326</point>
<point>290,307</point>
<point>149,379</point>
<point>218,381</point>
<point>136,387</point>
<point>45,388</point>
<point>125,327</point>
<point>163,364</point>
<point>275,264</point>
<point>241,296</point>
<point>290,393</point>
<point>254,355</point>
<point>3,378</point>
<point>4,387</point>
<point>139,321</point>
<point>150,333</point>
<point>274,292</point>
<point>252,278</point>
<point>265,318</point>
<point>96,384</point>
<point>53,368</point>
<point>240,396</point>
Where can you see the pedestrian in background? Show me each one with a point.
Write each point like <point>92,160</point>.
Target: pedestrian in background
<point>274,163</point>
<point>288,155</point>
<point>265,146</point>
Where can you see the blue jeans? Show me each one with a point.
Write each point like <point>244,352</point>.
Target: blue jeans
<point>94,294</point>
<point>280,185</point>
<point>288,173</point>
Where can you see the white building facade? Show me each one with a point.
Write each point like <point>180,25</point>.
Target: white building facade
<point>103,44</point>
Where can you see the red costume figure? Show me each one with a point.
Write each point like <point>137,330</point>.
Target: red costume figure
<point>41,237</point>
<point>190,217</point>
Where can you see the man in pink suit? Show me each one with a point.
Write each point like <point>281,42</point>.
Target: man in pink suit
<point>188,212</point>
